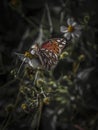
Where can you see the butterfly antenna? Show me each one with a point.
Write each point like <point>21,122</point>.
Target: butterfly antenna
<point>20,67</point>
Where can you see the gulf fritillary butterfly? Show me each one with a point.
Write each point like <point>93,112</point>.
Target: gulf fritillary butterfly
<point>46,55</point>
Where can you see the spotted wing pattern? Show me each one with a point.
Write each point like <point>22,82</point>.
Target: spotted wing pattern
<point>50,51</point>
<point>49,59</point>
<point>55,45</point>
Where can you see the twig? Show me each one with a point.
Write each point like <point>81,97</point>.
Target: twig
<point>10,82</point>
<point>36,76</point>
<point>25,35</point>
<point>6,121</point>
<point>40,112</point>
<point>64,5</point>
<point>23,16</point>
<point>49,18</point>
<point>40,35</point>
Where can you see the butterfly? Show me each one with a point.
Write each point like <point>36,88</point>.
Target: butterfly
<point>45,56</point>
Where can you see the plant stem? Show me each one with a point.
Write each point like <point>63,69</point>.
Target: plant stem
<point>40,113</point>
<point>6,121</point>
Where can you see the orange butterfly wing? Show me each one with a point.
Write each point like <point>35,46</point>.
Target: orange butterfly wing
<point>55,45</point>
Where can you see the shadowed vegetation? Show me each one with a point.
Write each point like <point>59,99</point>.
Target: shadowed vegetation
<point>64,98</point>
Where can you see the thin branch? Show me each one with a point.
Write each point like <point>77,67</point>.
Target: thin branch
<point>9,83</point>
<point>9,117</point>
<point>49,18</point>
<point>40,113</point>
<point>25,35</point>
<point>23,16</point>
<point>64,5</point>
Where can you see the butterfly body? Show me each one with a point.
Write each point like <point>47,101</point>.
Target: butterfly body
<point>46,55</point>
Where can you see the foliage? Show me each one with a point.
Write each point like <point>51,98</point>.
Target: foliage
<point>64,98</point>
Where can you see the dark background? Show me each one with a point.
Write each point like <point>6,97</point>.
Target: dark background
<point>20,24</point>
